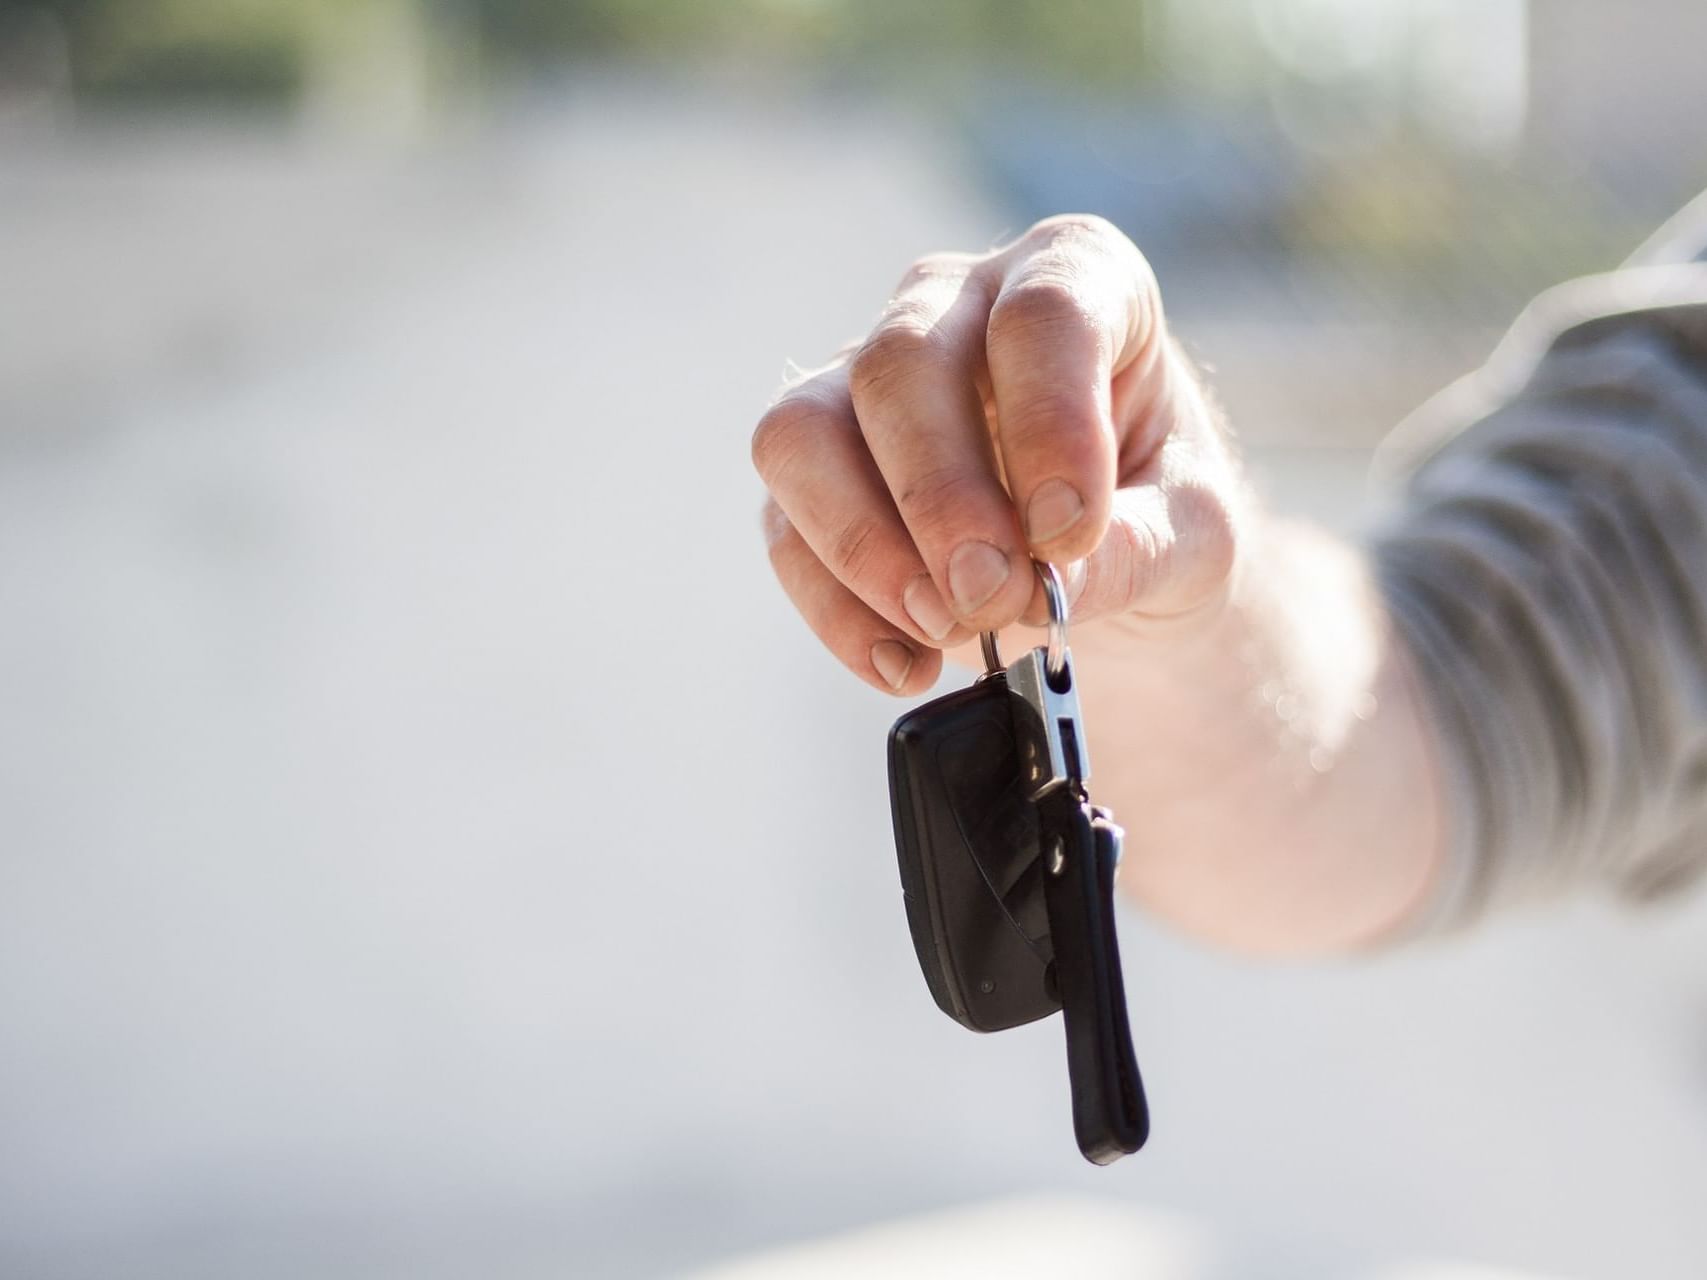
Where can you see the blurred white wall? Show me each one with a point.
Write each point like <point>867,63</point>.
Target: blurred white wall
<point>430,846</point>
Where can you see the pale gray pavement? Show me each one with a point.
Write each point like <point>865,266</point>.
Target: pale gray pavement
<point>407,865</point>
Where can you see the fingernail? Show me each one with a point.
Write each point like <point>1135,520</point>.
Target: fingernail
<point>1055,507</point>
<point>924,606</point>
<point>976,571</point>
<point>893,661</point>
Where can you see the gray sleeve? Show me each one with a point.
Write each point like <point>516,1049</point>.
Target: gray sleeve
<point>1548,573</point>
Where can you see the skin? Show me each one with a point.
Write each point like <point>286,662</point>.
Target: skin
<point>1251,714</point>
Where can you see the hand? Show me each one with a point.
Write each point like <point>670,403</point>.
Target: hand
<point>1252,706</point>
<point>1021,403</point>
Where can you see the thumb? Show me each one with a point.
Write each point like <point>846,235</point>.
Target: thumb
<point>1173,534</point>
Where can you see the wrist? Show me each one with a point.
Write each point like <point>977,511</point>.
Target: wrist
<point>1272,750</point>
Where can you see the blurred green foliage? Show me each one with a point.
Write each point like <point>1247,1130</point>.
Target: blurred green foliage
<point>262,49</point>
<point>179,49</point>
<point>1024,81</point>
<point>1097,42</point>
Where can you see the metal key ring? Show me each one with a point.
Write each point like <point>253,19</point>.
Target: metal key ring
<point>1056,594</point>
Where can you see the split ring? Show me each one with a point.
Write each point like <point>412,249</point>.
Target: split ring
<point>1056,595</point>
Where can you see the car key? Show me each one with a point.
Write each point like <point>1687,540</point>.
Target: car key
<point>1008,873</point>
<point>1080,847</point>
<point>967,837</point>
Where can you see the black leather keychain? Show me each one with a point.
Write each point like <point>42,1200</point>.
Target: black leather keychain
<point>1007,873</point>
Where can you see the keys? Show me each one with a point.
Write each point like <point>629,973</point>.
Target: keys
<point>971,878</point>
<point>1007,873</point>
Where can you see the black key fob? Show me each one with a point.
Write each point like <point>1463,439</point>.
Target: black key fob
<point>971,874</point>
<point>1007,873</point>
<point>1111,1117</point>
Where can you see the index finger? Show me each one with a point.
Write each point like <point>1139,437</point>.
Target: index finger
<point>916,394</point>
<point>1077,307</point>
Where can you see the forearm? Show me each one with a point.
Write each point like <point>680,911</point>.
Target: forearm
<point>1268,754</point>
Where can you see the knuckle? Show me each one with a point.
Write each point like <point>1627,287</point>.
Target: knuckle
<point>782,432</point>
<point>852,549</point>
<point>1141,559</point>
<point>1080,244</point>
<point>1046,303</point>
<point>939,498</point>
<point>896,352</point>
<point>1088,229</point>
<point>1059,423</point>
<point>935,266</point>
<point>1202,515</point>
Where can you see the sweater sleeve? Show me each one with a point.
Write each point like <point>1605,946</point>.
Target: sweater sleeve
<point>1547,571</point>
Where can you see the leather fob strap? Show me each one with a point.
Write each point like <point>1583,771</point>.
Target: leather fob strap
<point>1110,1115</point>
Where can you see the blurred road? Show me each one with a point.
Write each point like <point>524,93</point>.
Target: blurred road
<point>432,847</point>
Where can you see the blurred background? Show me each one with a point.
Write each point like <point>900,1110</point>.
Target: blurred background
<point>429,845</point>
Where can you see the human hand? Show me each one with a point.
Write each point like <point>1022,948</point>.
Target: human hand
<point>1021,403</point>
